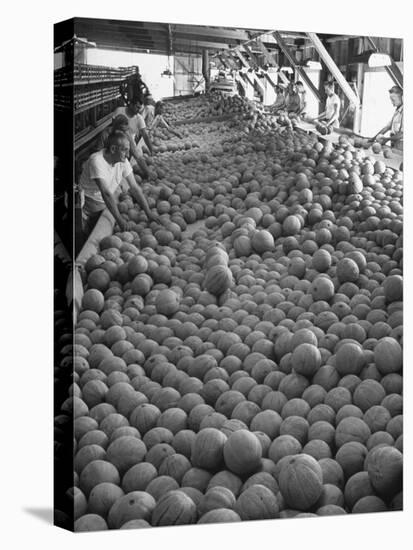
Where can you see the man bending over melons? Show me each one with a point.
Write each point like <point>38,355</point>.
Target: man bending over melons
<point>101,179</point>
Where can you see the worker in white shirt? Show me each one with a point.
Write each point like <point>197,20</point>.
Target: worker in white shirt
<point>331,114</point>
<point>138,133</point>
<point>101,179</point>
<point>303,98</point>
<point>395,126</point>
<point>148,111</point>
<point>280,102</point>
<point>159,120</point>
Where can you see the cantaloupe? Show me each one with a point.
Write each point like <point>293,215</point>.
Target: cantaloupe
<point>257,502</point>
<point>208,449</point>
<point>385,469</point>
<point>125,452</point>
<point>301,482</point>
<point>102,497</point>
<point>220,515</point>
<point>306,359</point>
<point>388,355</point>
<point>262,241</point>
<point>174,508</point>
<point>167,302</point>
<point>215,498</point>
<point>242,452</point>
<point>218,279</point>
<point>134,505</point>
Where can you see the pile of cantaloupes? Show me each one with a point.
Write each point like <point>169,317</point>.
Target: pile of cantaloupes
<point>251,369</point>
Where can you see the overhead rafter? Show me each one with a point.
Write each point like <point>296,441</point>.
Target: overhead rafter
<point>332,67</point>
<point>248,66</point>
<point>291,58</point>
<point>265,53</point>
<point>239,79</point>
<point>170,41</point>
<point>226,54</point>
<point>218,32</point>
<point>221,59</point>
<point>253,56</point>
<point>393,70</point>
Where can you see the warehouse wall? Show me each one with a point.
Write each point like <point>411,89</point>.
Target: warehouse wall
<point>187,72</point>
<point>377,108</point>
<point>150,65</point>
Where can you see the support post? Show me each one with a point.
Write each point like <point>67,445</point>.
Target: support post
<point>265,53</point>
<point>291,58</point>
<point>205,68</point>
<point>332,67</point>
<point>357,114</point>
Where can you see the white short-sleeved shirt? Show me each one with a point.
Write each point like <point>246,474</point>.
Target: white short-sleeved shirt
<point>149,115</point>
<point>96,167</point>
<point>303,99</point>
<point>397,126</point>
<point>136,122</point>
<point>330,102</point>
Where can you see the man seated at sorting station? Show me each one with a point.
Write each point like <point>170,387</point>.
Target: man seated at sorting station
<point>101,179</point>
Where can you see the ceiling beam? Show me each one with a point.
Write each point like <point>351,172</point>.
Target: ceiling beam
<point>291,58</point>
<point>332,67</point>
<point>217,32</point>
<point>118,39</point>
<point>220,33</point>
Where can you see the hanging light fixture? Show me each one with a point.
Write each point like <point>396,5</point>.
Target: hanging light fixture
<point>378,59</point>
<point>313,64</point>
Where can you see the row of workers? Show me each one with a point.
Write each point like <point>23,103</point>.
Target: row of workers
<point>119,155</point>
<point>293,99</point>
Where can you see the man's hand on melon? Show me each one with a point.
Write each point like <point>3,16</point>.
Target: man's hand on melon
<point>126,225</point>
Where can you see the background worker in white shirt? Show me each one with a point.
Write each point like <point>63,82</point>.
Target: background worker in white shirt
<point>159,120</point>
<point>148,111</point>
<point>138,132</point>
<point>331,114</point>
<point>303,98</point>
<point>101,178</point>
<point>395,126</point>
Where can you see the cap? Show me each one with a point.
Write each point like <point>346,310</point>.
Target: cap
<point>120,120</point>
<point>396,90</point>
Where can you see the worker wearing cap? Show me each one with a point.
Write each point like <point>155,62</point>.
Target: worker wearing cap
<point>159,120</point>
<point>395,126</point>
<point>331,114</point>
<point>101,178</point>
<point>119,122</point>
